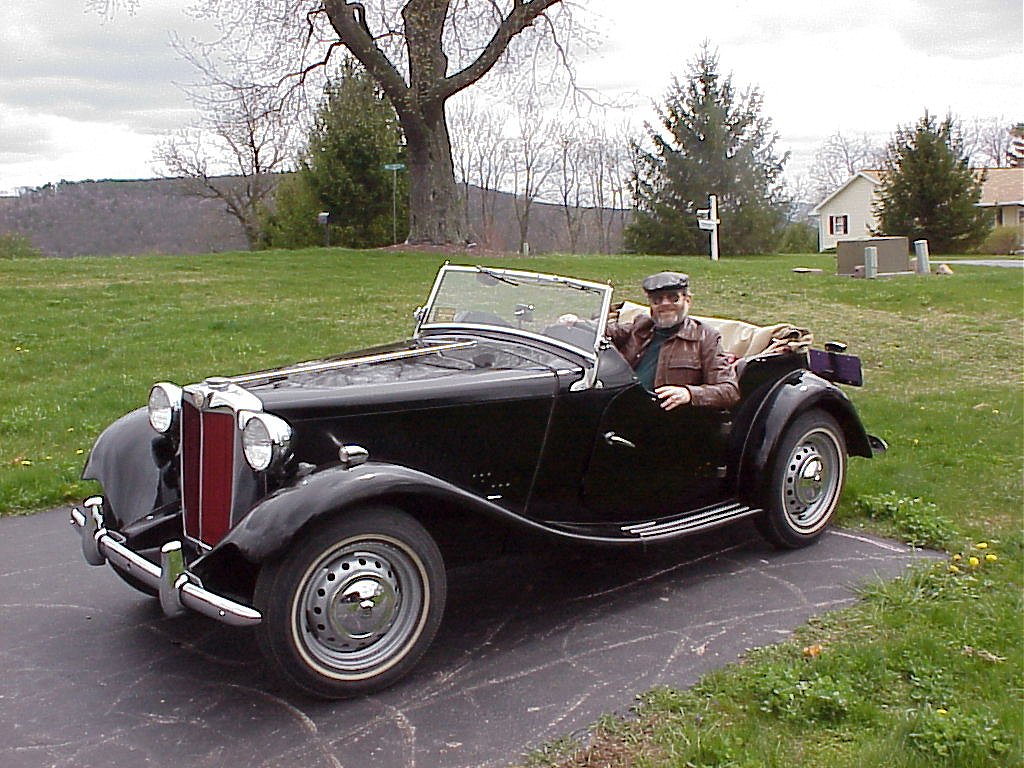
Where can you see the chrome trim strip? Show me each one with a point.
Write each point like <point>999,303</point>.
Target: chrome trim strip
<point>320,367</point>
<point>699,519</point>
<point>178,588</point>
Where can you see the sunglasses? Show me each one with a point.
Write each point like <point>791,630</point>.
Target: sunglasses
<point>673,297</point>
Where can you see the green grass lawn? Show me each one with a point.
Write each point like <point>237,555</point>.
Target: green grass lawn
<point>924,671</point>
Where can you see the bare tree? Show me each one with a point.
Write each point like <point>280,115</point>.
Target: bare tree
<point>480,156</point>
<point>568,181</point>
<point>606,169</point>
<point>988,141</point>
<point>839,158</point>
<point>232,152</point>
<point>421,52</point>
<point>531,162</point>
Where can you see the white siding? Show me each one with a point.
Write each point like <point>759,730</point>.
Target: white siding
<point>855,203</point>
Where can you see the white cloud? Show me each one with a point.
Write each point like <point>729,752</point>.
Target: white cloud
<point>83,95</point>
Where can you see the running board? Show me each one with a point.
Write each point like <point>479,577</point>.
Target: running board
<point>708,517</point>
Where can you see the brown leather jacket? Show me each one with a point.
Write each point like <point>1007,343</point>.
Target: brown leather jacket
<point>693,358</point>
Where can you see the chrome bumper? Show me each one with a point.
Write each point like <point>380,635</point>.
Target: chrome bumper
<point>178,588</point>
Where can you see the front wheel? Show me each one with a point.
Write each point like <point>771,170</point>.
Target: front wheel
<point>352,607</point>
<point>807,475</point>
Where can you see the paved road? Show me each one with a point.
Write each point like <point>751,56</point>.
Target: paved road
<point>532,648</point>
<point>1009,263</point>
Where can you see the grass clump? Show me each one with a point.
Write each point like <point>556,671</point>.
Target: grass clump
<point>916,522</point>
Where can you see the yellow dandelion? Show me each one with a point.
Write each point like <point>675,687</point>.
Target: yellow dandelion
<point>954,569</point>
<point>957,558</point>
<point>973,561</point>
<point>26,463</point>
<point>981,545</point>
<point>942,711</point>
<point>991,558</point>
<point>79,452</point>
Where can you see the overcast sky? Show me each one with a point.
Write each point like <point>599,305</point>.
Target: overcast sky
<point>83,96</point>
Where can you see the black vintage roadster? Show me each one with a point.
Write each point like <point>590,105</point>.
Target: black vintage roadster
<point>320,503</point>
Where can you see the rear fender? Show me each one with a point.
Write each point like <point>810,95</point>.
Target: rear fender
<point>795,394</point>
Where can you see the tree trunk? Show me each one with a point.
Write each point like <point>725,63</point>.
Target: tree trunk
<point>436,214</point>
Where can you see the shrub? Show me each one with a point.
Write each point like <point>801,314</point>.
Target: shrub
<point>17,246</point>
<point>798,237</point>
<point>1001,241</point>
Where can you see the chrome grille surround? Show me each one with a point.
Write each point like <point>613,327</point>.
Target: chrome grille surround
<point>211,457</point>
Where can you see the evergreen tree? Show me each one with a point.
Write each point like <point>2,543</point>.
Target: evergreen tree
<point>355,134</point>
<point>715,141</point>
<point>929,190</point>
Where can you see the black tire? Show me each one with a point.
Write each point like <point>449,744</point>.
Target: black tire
<point>802,492</point>
<point>351,607</point>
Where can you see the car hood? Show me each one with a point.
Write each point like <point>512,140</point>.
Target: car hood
<point>409,374</point>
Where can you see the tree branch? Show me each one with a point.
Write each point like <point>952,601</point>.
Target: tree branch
<point>524,13</point>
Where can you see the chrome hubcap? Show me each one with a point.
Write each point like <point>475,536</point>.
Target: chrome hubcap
<point>361,606</point>
<point>353,601</point>
<point>812,479</point>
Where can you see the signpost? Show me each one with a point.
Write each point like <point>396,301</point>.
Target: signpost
<point>707,219</point>
<point>394,168</point>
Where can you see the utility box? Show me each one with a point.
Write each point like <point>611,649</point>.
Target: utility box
<point>893,254</point>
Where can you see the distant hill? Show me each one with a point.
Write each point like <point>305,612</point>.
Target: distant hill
<point>154,216</point>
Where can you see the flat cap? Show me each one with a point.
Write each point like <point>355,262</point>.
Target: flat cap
<point>667,281</point>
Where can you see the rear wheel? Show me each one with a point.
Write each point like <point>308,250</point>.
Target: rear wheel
<point>806,481</point>
<point>351,608</point>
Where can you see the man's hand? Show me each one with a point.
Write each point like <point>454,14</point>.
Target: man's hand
<point>673,396</point>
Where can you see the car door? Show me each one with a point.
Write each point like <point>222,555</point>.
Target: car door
<point>647,462</point>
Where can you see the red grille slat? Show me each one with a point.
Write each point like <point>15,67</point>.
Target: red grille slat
<point>207,461</point>
<point>191,436</point>
<point>217,475</point>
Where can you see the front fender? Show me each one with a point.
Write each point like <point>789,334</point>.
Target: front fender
<point>796,393</point>
<point>127,459</point>
<point>271,525</point>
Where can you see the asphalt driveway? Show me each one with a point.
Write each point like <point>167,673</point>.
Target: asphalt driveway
<point>532,648</point>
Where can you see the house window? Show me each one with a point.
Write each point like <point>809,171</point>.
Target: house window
<point>839,225</point>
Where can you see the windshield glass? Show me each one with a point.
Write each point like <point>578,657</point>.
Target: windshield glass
<point>571,312</point>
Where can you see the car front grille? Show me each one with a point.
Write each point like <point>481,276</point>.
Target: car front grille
<point>207,471</point>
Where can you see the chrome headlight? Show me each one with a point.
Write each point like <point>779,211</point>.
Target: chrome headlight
<point>266,440</point>
<point>164,406</point>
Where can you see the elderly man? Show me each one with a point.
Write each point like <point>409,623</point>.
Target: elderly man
<point>678,358</point>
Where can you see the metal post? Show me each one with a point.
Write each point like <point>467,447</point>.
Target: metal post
<point>394,205</point>
<point>394,168</point>
<point>871,262</point>
<point>713,214</point>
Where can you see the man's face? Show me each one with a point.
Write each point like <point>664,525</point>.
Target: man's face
<point>668,307</point>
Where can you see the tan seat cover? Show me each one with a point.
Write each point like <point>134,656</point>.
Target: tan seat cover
<point>741,339</point>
